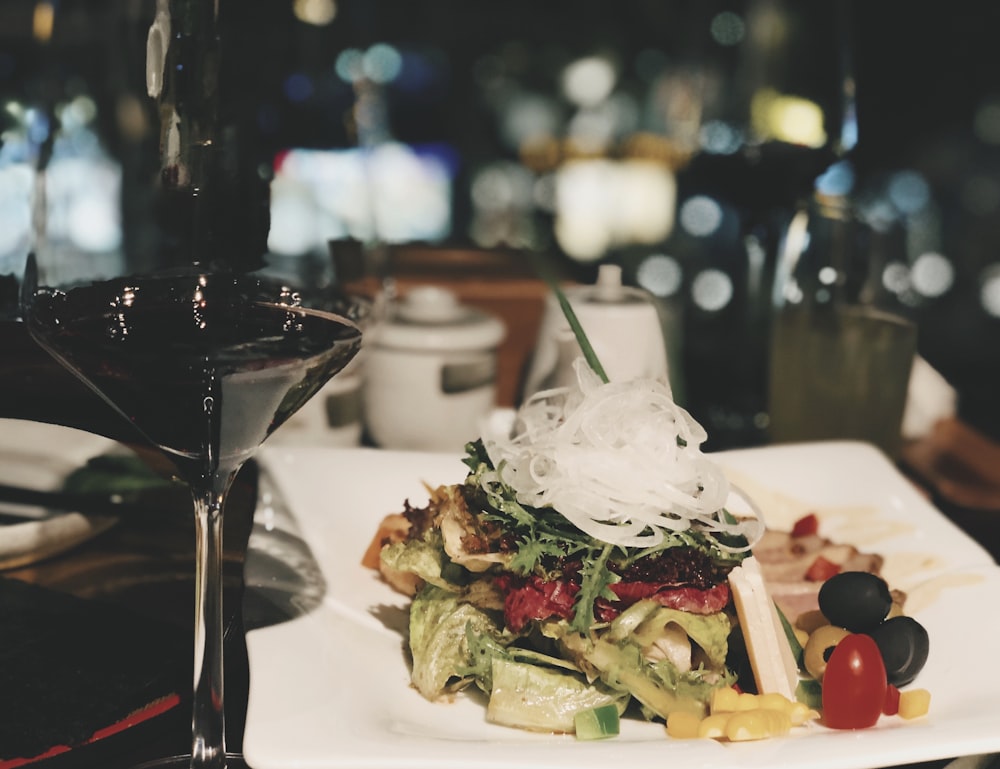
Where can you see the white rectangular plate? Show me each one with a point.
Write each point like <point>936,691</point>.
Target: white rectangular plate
<point>330,689</point>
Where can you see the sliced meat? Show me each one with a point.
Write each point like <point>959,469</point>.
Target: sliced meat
<point>787,563</point>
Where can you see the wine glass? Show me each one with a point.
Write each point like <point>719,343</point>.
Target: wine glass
<point>206,365</point>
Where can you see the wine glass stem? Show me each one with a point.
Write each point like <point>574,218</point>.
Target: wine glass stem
<point>208,723</point>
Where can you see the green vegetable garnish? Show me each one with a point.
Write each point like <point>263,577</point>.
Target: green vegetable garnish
<point>579,333</point>
<point>121,474</point>
<point>574,323</point>
<point>793,642</point>
<point>597,723</point>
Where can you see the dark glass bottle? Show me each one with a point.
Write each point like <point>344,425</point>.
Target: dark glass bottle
<point>211,205</point>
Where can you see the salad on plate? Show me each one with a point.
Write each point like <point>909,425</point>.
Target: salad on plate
<point>592,565</point>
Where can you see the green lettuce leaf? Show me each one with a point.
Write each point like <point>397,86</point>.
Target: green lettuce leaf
<point>484,650</point>
<point>440,625</point>
<point>425,558</point>
<point>658,686</point>
<point>618,657</point>
<point>545,699</point>
<point>644,622</point>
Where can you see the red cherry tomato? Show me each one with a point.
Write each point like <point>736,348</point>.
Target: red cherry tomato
<point>891,706</point>
<point>854,684</point>
<point>806,525</point>
<point>822,569</point>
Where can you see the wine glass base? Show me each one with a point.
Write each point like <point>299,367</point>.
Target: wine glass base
<point>233,761</point>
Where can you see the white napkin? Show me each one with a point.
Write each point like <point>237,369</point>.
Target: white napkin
<point>929,399</point>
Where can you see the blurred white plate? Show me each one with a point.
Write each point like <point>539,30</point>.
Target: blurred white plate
<point>40,456</point>
<point>330,689</point>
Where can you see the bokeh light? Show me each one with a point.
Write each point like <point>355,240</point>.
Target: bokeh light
<point>17,181</point>
<point>529,118</point>
<point>501,185</point>
<point>989,290</point>
<point>350,65</point>
<point>660,274</point>
<point>43,21</point>
<point>382,63</point>
<point>712,290</point>
<point>986,121</point>
<point>589,81</point>
<point>602,203</point>
<point>700,216</point>
<point>93,223</point>
<point>727,28</point>
<point>720,138</point>
<point>909,192</point>
<point>543,193</point>
<point>791,119</point>
<point>827,276</point>
<point>932,274</point>
<point>77,113</point>
<point>392,192</point>
<point>316,12</point>
<point>896,278</point>
<point>837,180</point>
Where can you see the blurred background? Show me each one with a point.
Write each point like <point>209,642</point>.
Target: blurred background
<point>674,139</point>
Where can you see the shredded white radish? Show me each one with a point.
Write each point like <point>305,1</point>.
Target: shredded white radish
<point>607,457</point>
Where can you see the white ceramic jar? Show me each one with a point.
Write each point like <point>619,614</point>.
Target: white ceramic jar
<point>430,372</point>
<point>622,325</point>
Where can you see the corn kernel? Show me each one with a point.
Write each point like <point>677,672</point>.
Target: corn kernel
<point>714,726</point>
<point>724,700</point>
<point>914,703</point>
<point>682,725</point>
<point>799,713</point>
<point>757,725</point>
<point>778,722</point>
<point>774,701</point>
<point>747,701</point>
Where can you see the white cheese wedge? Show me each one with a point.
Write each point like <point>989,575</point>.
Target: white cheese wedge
<point>770,655</point>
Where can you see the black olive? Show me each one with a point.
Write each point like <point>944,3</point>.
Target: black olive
<point>738,660</point>
<point>855,600</point>
<point>904,644</point>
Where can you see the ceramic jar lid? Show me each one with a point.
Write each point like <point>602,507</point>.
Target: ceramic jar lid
<point>609,290</point>
<point>431,318</point>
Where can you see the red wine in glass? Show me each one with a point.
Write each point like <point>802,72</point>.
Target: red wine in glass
<point>205,366</point>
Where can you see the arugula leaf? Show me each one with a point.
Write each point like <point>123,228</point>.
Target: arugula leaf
<point>574,323</point>
<point>578,332</point>
<point>531,551</point>
<point>476,456</point>
<point>595,581</point>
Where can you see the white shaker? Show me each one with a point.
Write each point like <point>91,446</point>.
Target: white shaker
<point>622,324</point>
<point>430,372</point>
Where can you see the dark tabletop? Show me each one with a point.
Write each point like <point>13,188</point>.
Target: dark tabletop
<point>140,573</point>
<point>136,581</point>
